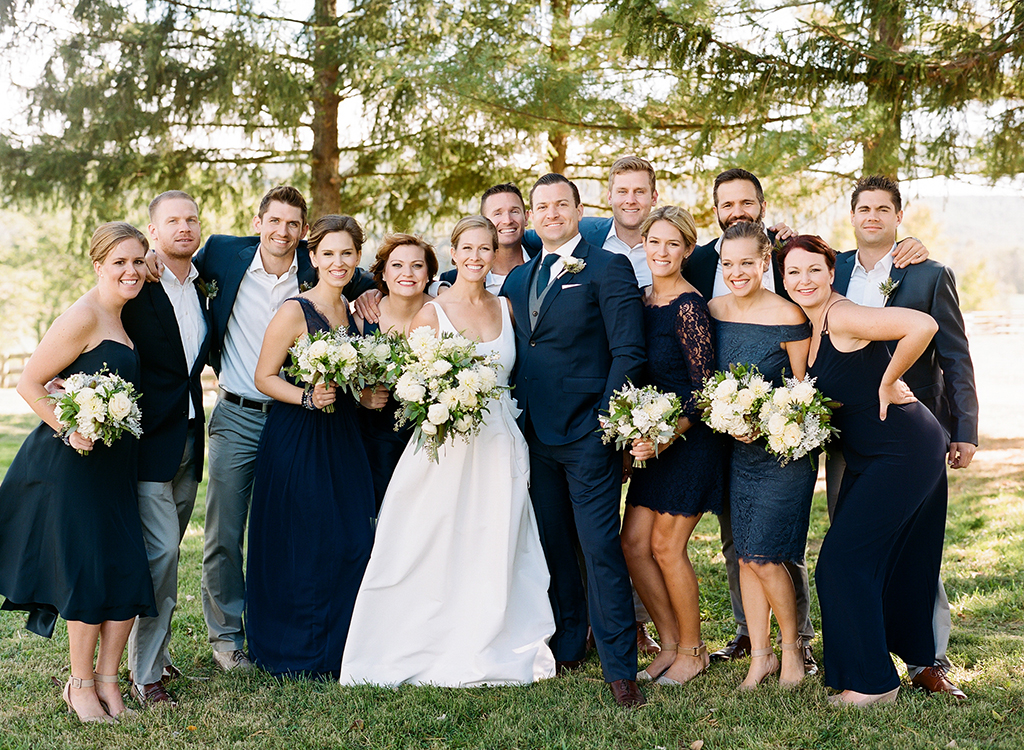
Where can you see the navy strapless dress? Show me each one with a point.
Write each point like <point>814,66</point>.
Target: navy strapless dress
<point>384,445</point>
<point>310,534</point>
<point>689,477</point>
<point>769,504</point>
<point>70,535</point>
<point>879,563</point>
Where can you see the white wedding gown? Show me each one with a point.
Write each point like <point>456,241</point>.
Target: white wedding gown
<point>456,590</point>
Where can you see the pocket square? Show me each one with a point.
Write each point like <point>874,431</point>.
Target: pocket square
<point>570,286</point>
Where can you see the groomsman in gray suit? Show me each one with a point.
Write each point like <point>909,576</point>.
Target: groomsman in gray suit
<point>168,323</point>
<point>942,378</point>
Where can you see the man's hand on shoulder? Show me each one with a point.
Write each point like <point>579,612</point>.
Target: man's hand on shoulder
<point>154,266</point>
<point>366,305</point>
<point>909,251</point>
<point>782,232</point>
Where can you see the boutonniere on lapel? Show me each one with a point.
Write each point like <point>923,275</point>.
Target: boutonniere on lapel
<point>305,286</point>
<point>571,265</point>
<point>888,288</point>
<point>207,288</point>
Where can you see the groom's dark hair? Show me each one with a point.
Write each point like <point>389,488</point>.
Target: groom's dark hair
<point>552,179</point>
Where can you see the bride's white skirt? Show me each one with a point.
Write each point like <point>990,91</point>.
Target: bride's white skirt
<point>455,592</point>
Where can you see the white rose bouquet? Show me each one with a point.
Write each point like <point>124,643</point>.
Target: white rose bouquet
<point>731,401</point>
<point>796,420</point>
<point>444,387</point>
<point>102,406</point>
<point>381,356</point>
<point>324,356</point>
<point>640,413</point>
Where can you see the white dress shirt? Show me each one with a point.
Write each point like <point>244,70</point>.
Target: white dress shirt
<point>565,251</point>
<point>636,254</point>
<point>260,296</point>
<point>767,281</point>
<point>864,284</point>
<point>189,314</point>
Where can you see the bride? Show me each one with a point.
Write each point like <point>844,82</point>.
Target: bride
<point>456,590</point>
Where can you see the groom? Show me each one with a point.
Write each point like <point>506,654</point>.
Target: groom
<point>579,335</point>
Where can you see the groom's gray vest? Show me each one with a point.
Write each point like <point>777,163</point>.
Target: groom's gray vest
<point>535,300</point>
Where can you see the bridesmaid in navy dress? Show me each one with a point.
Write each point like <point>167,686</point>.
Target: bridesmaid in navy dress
<point>404,267</point>
<point>70,535</point>
<point>667,498</point>
<point>311,522</point>
<point>769,504</point>
<point>879,564</point>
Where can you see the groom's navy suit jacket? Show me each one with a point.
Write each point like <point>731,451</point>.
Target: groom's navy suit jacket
<point>943,377</point>
<point>224,259</point>
<point>167,384</point>
<point>588,339</point>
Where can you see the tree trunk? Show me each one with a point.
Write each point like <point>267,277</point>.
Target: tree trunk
<point>885,91</point>
<point>325,181</point>
<point>561,41</point>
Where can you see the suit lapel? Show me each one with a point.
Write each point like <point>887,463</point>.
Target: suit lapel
<point>896,276</point>
<point>581,251</point>
<point>844,269</point>
<point>164,312</point>
<point>519,293</point>
<point>204,345</point>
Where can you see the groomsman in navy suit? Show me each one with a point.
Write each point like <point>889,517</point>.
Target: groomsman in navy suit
<point>579,336</point>
<point>942,378</point>
<point>168,323</point>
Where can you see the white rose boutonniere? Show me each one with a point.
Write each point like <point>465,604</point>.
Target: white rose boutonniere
<point>888,288</point>
<point>572,265</point>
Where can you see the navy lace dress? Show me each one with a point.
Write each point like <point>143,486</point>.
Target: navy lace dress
<point>769,504</point>
<point>384,446</point>
<point>689,477</point>
<point>70,535</point>
<point>310,533</point>
<point>879,564</point>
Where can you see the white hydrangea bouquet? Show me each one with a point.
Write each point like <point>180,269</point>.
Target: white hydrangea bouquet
<point>101,407</point>
<point>381,356</point>
<point>796,419</point>
<point>731,401</point>
<point>640,413</point>
<point>444,388</point>
<point>324,356</point>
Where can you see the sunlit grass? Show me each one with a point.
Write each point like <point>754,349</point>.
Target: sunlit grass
<point>983,570</point>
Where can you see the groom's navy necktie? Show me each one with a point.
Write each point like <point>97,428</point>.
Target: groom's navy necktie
<point>544,272</point>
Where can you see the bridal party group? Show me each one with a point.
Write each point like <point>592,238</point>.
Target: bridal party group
<point>336,546</point>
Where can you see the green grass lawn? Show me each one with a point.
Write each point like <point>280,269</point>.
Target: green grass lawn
<point>983,570</point>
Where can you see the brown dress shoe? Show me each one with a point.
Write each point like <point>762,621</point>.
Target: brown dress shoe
<point>627,694</point>
<point>152,695</point>
<point>644,643</point>
<point>810,665</point>
<point>737,648</point>
<point>565,667</point>
<point>934,680</point>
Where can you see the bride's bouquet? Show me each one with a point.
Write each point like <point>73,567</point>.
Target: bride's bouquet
<point>640,413</point>
<point>444,387</point>
<point>381,356</point>
<point>324,356</point>
<point>731,401</point>
<point>101,406</point>
<point>796,419</point>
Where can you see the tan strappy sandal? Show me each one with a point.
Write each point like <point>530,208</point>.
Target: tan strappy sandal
<point>697,652</point>
<point>645,676</point>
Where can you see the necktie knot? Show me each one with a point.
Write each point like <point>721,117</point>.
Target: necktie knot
<point>544,272</point>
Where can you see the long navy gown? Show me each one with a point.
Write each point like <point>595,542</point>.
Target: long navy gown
<point>70,535</point>
<point>879,564</point>
<point>310,533</point>
<point>384,445</point>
